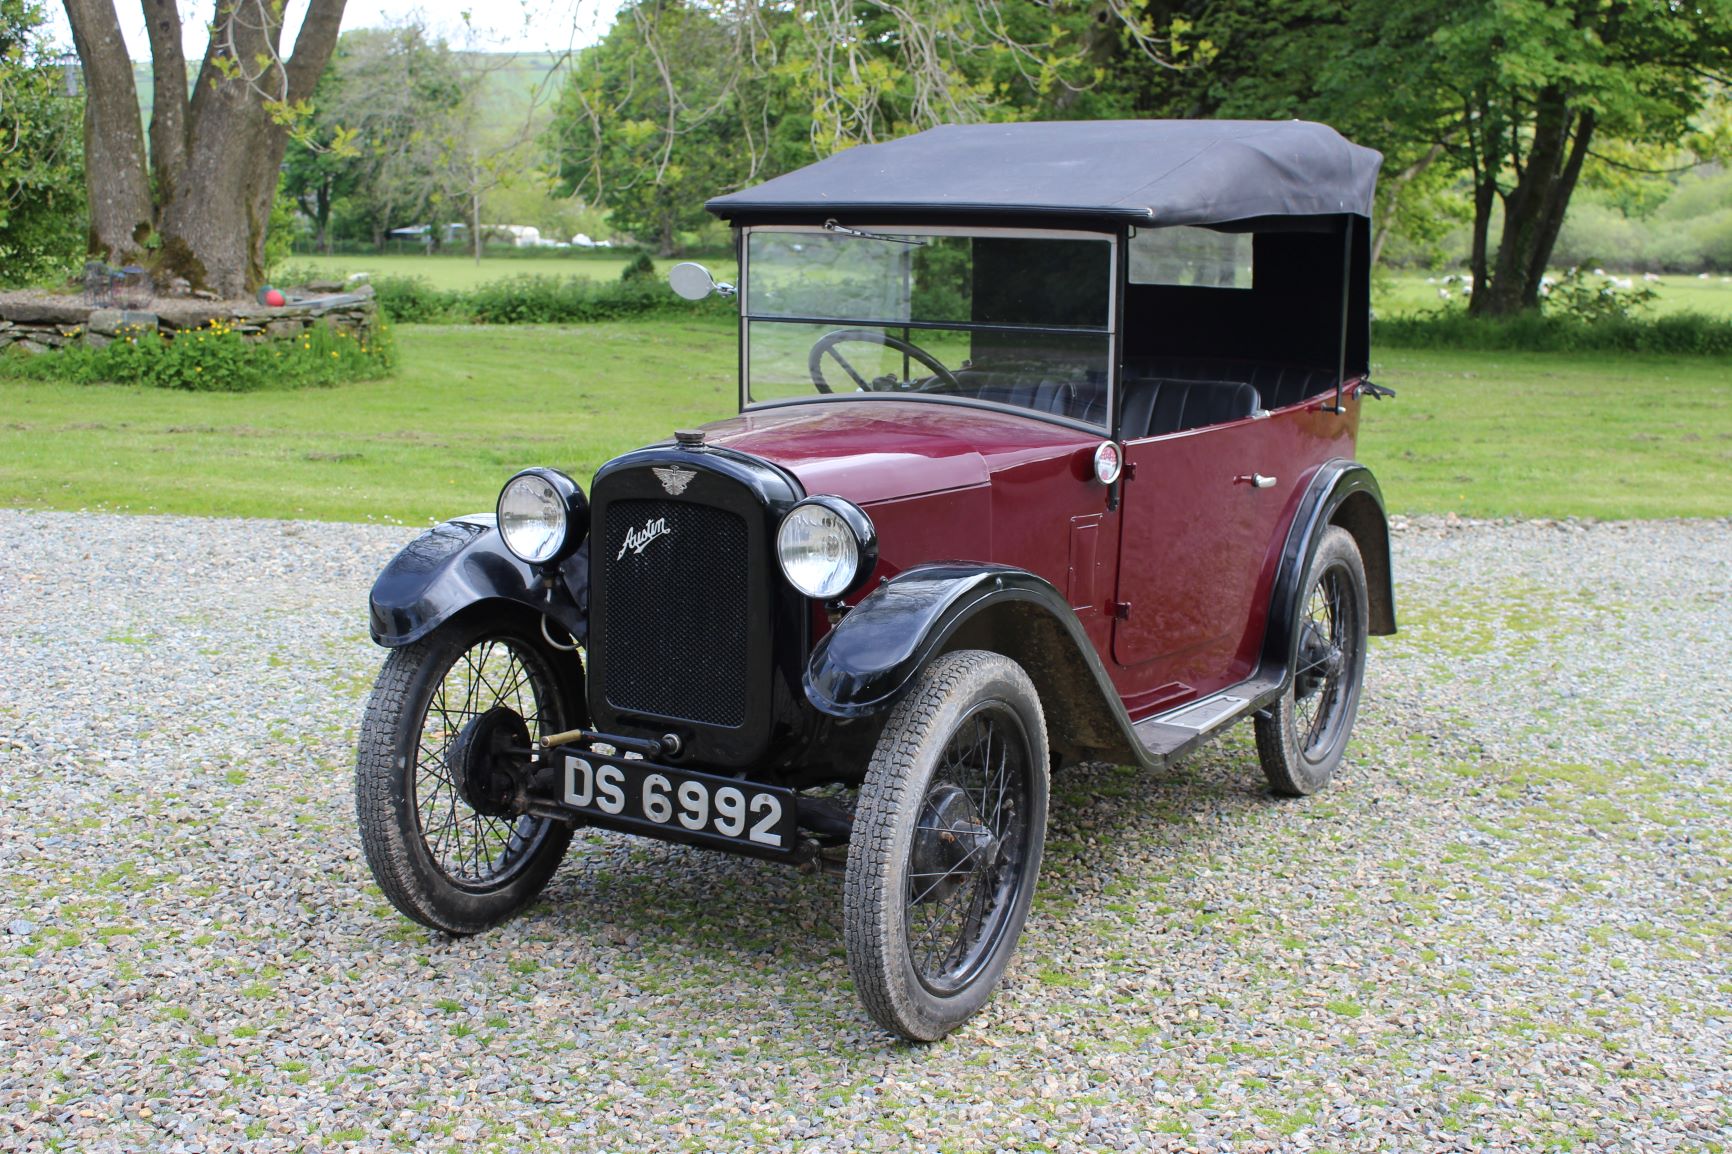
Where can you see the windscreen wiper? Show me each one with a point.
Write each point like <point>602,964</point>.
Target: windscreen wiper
<point>831,226</point>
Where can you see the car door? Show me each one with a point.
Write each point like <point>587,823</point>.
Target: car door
<point>1200,509</point>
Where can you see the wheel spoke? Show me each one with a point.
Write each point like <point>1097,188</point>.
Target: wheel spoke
<point>472,848</point>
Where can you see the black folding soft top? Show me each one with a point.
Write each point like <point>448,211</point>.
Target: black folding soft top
<point>1139,172</point>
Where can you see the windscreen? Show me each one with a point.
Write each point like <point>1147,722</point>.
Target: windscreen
<point>1007,318</point>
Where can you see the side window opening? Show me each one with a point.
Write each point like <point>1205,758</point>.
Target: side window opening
<point>1191,257</point>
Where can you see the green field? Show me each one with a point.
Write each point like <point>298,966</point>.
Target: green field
<point>1481,434</point>
<point>461,272</point>
<point>1674,293</point>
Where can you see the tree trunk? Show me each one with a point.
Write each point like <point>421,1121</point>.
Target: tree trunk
<point>1484,201</point>
<point>322,217</point>
<point>215,156</point>
<point>119,190</point>
<point>474,218</point>
<point>1534,210</point>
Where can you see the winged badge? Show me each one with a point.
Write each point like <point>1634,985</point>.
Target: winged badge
<point>674,479</point>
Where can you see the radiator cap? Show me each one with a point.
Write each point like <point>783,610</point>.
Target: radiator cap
<point>689,438</point>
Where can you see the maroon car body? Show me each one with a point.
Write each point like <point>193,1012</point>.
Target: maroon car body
<point>1044,454</point>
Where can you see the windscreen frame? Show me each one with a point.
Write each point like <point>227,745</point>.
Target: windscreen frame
<point>1114,238</point>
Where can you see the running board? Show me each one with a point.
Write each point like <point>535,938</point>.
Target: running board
<point>1177,731</point>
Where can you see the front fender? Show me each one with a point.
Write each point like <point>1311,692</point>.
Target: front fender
<point>874,654</point>
<point>462,563</point>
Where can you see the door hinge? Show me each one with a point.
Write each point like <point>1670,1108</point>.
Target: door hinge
<point>1130,470</point>
<point>1122,610</point>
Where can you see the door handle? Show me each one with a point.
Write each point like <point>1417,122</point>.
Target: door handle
<point>1256,480</point>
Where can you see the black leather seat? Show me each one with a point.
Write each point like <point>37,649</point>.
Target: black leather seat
<point>1156,406</point>
<point>1079,400</point>
<point>1277,385</point>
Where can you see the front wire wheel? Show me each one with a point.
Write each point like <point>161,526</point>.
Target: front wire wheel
<point>436,820</point>
<point>1303,738</point>
<point>946,845</point>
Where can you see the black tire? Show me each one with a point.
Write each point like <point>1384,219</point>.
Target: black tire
<point>433,872</point>
<point>973,721</point>
<point>1304,736</point>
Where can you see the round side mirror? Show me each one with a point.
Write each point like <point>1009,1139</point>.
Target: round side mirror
<point>691,281</point>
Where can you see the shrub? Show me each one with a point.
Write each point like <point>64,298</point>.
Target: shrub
<point>556,300</point>
<point>641,268</point>
<point>522,300</point>
<point>1686,334</point>
<point>216,358</point>
<point>410,300</point>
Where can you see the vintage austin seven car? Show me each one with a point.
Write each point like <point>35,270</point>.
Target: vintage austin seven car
<point>1044,454</point>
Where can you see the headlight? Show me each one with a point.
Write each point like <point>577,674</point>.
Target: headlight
<point>827,547</point>
<point>543,515</point>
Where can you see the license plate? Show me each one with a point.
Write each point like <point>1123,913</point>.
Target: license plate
<point>681,805</point>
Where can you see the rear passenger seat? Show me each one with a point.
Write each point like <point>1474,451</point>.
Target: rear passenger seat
<point>1277,385</point>
<point>1161,394</point>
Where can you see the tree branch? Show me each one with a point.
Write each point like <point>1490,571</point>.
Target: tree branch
<point>314,44</point>
<point>168,110</point>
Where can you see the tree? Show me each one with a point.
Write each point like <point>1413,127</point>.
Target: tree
<point>197,205</point>
<point>41,162</point>
<point>685,98</point>
<point>650,120</point>
<point>1537,83</point>
<point>396,94</point>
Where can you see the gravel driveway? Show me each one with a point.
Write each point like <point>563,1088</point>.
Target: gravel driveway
<point>1505,926</point>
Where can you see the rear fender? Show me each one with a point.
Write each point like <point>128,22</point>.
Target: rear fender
<point>873,656</point>
<point>1341,493</point>
<point>462,564</point>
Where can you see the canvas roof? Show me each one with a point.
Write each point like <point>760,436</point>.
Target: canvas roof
<point>1139,172</point>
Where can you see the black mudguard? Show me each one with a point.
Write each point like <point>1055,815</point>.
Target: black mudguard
<point>1344,493</point>
<point>875,653</point>
<point>463,563</point>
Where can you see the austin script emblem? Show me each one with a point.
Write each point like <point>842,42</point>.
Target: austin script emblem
<point>636,539</point>
<point>674,479</point>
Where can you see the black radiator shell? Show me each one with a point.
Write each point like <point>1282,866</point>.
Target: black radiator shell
<point>635,666</point>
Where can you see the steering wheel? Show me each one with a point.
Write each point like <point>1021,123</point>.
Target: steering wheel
<point>828,342</point>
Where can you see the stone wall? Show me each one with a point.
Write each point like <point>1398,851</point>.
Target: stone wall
<point>42,324</point>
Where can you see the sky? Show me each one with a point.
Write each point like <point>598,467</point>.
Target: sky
<point>496,26</point>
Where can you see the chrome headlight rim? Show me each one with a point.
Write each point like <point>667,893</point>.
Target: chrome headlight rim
<point>573,507</point>
<point>860,529</point>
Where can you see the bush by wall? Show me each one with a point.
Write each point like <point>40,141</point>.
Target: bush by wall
<point>215,358</point>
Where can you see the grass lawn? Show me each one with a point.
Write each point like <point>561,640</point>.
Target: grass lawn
<point>461,272</point>
<point>1675,293</point>
<point>1482,434</point>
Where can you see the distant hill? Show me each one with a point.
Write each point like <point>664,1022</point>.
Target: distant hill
<point>509,85</point>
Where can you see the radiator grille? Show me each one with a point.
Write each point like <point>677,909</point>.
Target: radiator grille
<point>676,643</point>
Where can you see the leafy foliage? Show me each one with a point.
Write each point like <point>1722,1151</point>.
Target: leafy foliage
<point>41,156</point>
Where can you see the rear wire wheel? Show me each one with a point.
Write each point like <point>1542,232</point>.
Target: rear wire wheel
<point>1303,738</point>
<point>946,845</point>
<point>436,819</point>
